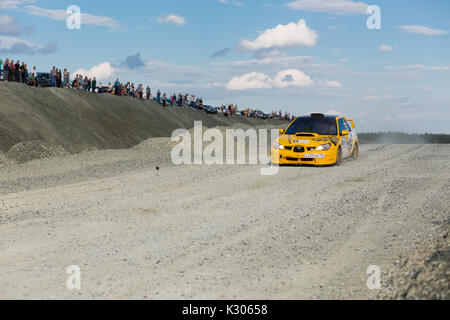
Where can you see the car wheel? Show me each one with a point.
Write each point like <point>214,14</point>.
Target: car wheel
<point>339,157</point>
<point>355,152</point>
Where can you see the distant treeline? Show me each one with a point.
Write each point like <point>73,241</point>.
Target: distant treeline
<point>403,138</point>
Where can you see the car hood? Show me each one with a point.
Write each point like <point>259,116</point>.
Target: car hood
<point>309,139</point>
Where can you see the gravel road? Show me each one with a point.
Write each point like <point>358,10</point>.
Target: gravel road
<point>215,232</point>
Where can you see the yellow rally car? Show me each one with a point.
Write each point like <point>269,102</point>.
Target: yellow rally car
<point>316,140</point>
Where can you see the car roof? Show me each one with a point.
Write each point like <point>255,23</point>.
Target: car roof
<point>324,116</point>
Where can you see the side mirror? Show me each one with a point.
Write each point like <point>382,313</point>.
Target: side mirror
<point>281,131</point>
<point>345,133</point>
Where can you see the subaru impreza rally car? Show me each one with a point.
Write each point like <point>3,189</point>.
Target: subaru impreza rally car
<point>316,140</point>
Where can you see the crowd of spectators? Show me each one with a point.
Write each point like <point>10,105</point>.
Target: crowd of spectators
<point>230,110</point>
<point>18,72</point>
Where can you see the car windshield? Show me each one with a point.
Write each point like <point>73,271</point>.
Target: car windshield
<point>322,126</point>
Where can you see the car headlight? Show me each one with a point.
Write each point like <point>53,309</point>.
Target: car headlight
<point>276,145</point>
<point>324,147</point>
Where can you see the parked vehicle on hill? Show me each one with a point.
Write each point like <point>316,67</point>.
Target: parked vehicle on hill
<point>210,109</point>
<point>260,114</point>
<point>44,79</point>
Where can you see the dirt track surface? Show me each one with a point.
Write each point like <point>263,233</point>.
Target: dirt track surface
<point>207,232</point>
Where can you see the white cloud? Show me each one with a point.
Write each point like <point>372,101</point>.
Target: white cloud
<point>284,79</point>
<point>333,84</point>
<point>282,36</point>
<point>86,18</point>
<point>102,72</point>
<point>340,7</point>
<point>362,114</point>
<point>234,2</point>
<point>378,98</point>
<point>4,19</point>
<point>9,26</point>
<point>292,78</point>
<point>333,113</point>
<point>13,4</point>
<point>270,54</point>
<point>423,30</point>
<point>253,80</point>
<point>172,18</point>
<point>267,61</point>
<point>420,67</point>
<point>385,48</point>
<point>15,45</point>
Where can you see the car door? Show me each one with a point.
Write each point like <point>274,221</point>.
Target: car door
<point>346,141</point>
<point>351,137</point>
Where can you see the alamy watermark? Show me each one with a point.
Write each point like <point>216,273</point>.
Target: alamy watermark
<point>374,280</point>
<point>73,20</point>
<point>74,280</point>
<point>374,21</point>
<point>231,146</point>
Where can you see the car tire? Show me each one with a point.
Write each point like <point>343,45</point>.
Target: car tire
<point>339,157</point>
<point>355,153</point>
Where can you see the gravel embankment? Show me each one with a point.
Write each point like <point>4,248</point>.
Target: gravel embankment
<point>57,121</point>
<point>423,274</point>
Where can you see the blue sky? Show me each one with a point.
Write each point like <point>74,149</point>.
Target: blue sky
<point>296,55</point>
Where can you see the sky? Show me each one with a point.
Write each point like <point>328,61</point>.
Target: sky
<point>299,56</point>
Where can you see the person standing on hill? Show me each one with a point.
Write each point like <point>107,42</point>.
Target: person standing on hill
<point>66,78</point>
<point>94,85</point>
<point>1,69</point>
<point>6,70</point>
<point>116,87</point>
<point>11,71</point>
<point>12,74</point>
<point>149,92</point>
<point>53,75</point>
<point>158,96</point>
<point>17,71</point>
<point>25,73</point>
<point>21,72</point>
<point>58,78</point>
<point>140,91</point>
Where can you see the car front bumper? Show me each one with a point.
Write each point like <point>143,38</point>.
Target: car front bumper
<point>286,157</point>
